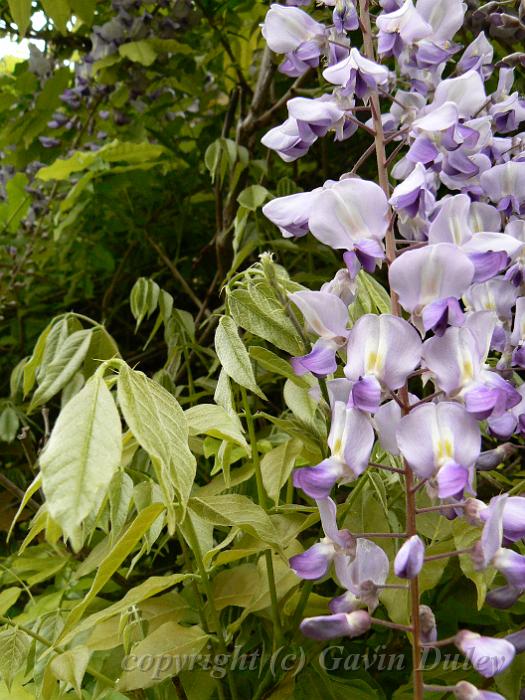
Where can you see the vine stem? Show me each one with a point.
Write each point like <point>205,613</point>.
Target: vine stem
<point>193,542</point>
<point>261,497</point>
<point>410,496</point>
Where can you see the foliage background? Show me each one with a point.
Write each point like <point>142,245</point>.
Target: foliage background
<point>141,212</point>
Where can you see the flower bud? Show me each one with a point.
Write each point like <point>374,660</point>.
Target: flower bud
<point>409,559</point>
<point>503,597</point>
<point>473,508</point>
<point>491,458</point>
<point>427,624</point>
<point>517,639</point>
<point>488,655</point>
<point>340,625</point>
<point>466,691</point>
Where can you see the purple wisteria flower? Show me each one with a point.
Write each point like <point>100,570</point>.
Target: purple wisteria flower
<point>505,185</point>
<point>428,275</point>
<point>290,140</point>
<point>441,442</point>
<point>351,440</point>
<point>338,219</point>
<point>362,577</point>
<point>381,352</point>
<point>488,655</point>
<point>457,363</point>
<point>290,214</point>
<point>291,31</point>
<point>337,545</point>
<point>344,15</point>
<point>356,75</point>
<point>326,315</point>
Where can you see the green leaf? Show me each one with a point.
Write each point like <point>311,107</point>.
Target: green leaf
<point>81,456</point>
<point>235,586</point>
<point>147,589</point>
<point>64,365</point>
<point>70,666</point>
<point>253,197</point>
<point>61,169</point>
<point>8,598</point>
<point>14,648</point>
<point>258,311</point>
<point>171,646</point>
<point>21,14</point>
<point>59,11</point>
<point>234,509</point>
<point>275,364</point>
<point>113,560</point>
<point>139,52</point>
<point>143,299</point>
<point>277,465</point>
<point>234,356</point>
<point>8,424</point>
<point>466,536</point>
<point>15,208</point>
<point>85,9</point>
<point>209,419</point>
<point>30,491</point>
<point>160,427</point>
<point>377,294</point>
<point>131,152</point>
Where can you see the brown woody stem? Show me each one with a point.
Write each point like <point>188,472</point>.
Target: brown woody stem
<point>391,252</point>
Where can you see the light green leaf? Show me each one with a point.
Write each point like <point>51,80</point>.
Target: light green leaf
<point>277,465</point>
<point>70,666</point>
<point>169,646</point>
<point>15,208</point>
<point>8,424</point>
<point>141,152</point>
<point>139,52</point>
<point>253,197</point>
<point>120,495</point>
<point>85,9</point>
<point>376,293</point>
<point>64,365</point>
<point>275,364</point>
<point>235,586</point>
<point>209,419</point>
<point>234,356</point>
<point>466,536</point>
<point>160,427</point>
<point>131,152</point>
<point>81,456</point>
<point>62,168</point>
<point>143,299</point>
<point>30,491</point>
<point>147,589</point>
<point>233,509</point>
<point>59,11</point>
<point>261,314</point>
<point>21,14</point>
<point>14,648</point>
<point>113,560</point>
<point>8,598</point>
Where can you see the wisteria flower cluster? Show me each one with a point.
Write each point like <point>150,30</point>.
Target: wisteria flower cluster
<point>440,372</point>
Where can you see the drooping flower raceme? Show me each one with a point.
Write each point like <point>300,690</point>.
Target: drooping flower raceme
<point>432,385</point>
